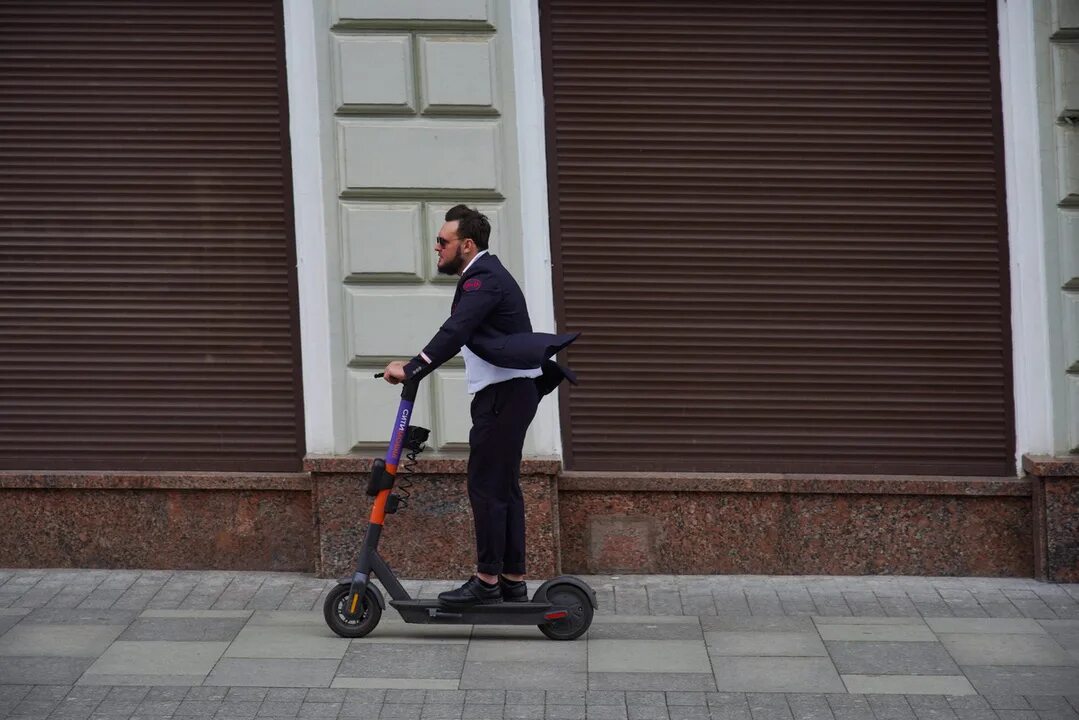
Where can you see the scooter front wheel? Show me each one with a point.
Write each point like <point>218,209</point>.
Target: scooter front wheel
<point>578,610</point>
<point>346,624</point>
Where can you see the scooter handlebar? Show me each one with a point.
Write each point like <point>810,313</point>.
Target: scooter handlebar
<point>408,387</point>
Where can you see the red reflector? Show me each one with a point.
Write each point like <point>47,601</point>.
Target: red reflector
<point>556,615</point>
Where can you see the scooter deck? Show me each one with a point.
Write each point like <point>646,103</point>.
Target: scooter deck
<point>512,613</point>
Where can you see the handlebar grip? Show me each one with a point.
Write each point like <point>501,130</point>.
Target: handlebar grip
<point>380,375</point>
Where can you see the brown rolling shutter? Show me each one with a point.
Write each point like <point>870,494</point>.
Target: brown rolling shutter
<point>148,297</point>
<point>780,227</point>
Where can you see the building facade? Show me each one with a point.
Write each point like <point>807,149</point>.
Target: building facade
<point>823,260</point>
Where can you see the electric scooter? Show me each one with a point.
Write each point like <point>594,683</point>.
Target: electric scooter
<point>562,607</point>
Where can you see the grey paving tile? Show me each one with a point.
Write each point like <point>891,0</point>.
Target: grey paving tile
<point>891,658</point>
<point>683,697</point>
<point>521,675</point>
<point>78,616</point>
<point>663,601</point>
<point>768,706</point>
<point>1029,603</point>
<point>442,712</point>
<point>876,633</point>
<point>1017,714</point>
<point>326,710</point>
<point>645,628</point>
<point>765,644</point>
<point>273,672</point>
<point>606,712</point>
<point>1005,701</point>
<point>485,697</point>
<point>863,603</point>
<point>524,712</point>
<point>238,593</point>
<point>650,681</point>
<point>764,602</point>
<point>184,629</point>
<point>279,709</point>
<point>646,697</point>
<point>525,697</point>
<point>630,601</point>
<point>986,649</point>
<point>890,707</point>
<point>58,640</point>
<point>778,674</point>
<point>42,670</point>
<point>566,712</point>
<point>698,604</point>
<point>491,711</point>
<point>387,660</point>
<point>140,593</point>
<point>643,656</point>
<point>688,712</point>
<point>173,592</point>
<point>447,697</point>
<point>401,711</point>
<point>648,712</point>
<point>207,591</point>
<point>993,626</point>
<point>572,655</point>
<point>908,684</point>
<point>563,696</point>
<point>287,641</point>
<point>898,606</point>
<point>809,706</point>
<point>192,660</point>
<point>1018,680</point>
<point>747,623</point>
<point>270,595</point>
<point>730,602</point>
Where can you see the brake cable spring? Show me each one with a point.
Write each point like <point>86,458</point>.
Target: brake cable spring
<point>404,477</point>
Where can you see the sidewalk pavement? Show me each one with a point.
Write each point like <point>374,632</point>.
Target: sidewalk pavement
<point>111,644</point>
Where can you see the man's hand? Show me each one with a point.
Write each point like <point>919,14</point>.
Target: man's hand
<point>394,372</point>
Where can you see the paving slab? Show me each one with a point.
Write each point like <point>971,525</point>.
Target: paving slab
<point>399,632</point>
<point>643,656</point>
<point>993,626</point>
<point>776,674</point>
<point>42,670</point>
<point>737,623</point>
<point>161,662</point>
<point>573,655</point>
<point>58,640</point>
<point>273,672</point>
<point>765,644</point>
<point>876,632</point>
<point>1018,649</point>
<point>287,641</point>
<point>522,675</point>
<point>1023,680</point>
<point>181,629</point>
<point>613,627</point>
<point>9,617</point>
<point>637,681</point>
<point>390,660</point>
<point>891,658</point>
<point>955,685</point>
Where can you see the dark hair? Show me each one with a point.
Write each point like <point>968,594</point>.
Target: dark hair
<point>470,224</point>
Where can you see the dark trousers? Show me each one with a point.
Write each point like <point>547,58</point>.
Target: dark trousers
<point>501,414</point>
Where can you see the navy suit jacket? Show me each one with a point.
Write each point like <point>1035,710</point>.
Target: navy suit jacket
<point>489,315</point>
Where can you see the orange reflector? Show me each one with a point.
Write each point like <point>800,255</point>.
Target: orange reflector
<point>355,602</point>
<point>556,615</point>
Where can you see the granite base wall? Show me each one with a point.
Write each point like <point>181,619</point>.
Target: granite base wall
<point>577,522</point>
<point>776,524</point>
<point>433,536</point>
<point>1056,517</point>
<point>156,521</point>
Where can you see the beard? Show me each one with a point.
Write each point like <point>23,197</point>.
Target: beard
<point>453,265</point>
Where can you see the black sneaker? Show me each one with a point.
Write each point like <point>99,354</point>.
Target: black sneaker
<point>473,592</point>
<point>513,591</point>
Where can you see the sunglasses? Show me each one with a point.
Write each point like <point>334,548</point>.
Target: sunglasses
<point>443,242</point>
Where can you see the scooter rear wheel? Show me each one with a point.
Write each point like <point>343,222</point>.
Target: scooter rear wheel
<point>579,609</point>
<point>345,624</point>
